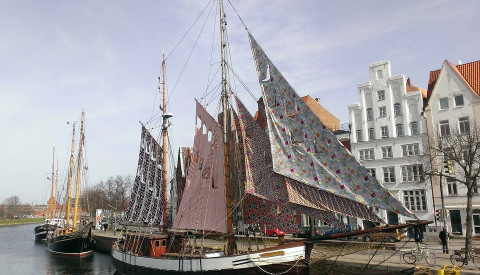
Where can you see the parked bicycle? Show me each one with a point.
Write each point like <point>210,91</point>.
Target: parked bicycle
<point>416,255</point>
<point>460,257</point>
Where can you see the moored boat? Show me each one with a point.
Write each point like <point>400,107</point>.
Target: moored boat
<point>295,165</point>
<point>75,239</point>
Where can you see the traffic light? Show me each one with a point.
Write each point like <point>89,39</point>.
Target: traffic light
<point>448,165</point>
<point>439,215</point>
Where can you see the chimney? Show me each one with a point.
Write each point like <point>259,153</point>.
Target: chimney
<point>317,100</point>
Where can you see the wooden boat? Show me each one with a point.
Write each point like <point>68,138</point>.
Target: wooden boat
<point>296,164</point>
<point>74,239</point>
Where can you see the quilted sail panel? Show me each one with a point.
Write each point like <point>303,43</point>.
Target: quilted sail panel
<point>146,200</point>
<point>263,182</point>
<point>305,150</point>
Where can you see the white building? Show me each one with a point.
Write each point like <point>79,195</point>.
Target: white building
<point>453,106</point>
<point>388,136</point>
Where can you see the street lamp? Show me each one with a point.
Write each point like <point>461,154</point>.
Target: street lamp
<point>448,166</point>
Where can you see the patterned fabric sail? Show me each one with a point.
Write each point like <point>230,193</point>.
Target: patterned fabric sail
<point>146,200</point>
<point>203,205</point>
<point>305,150</point>
<point>262,181</point>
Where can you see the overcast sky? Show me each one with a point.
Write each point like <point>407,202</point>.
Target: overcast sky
<point>59,57</point>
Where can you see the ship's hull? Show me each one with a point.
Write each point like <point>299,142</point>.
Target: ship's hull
<point>287,259</point>
<point>75,244</point>
<point>42,230</point>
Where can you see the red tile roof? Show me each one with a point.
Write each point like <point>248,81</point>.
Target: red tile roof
<point>470,72</point>
<point>411,88</point>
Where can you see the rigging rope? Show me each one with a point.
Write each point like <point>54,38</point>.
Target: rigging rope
<point>189,56</point>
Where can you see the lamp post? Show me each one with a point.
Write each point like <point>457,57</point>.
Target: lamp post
<point>449,170</point>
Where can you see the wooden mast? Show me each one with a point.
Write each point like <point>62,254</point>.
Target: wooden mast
<point>69,184</point>
<point>49,203</point>
<point>230,240</point>
<point>79,165</point>
<point>164,135</point>
<point>55,192</point>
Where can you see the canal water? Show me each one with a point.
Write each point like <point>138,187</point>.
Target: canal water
<point>20,254</point>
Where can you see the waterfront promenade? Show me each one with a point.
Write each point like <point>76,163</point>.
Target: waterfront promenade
<point>387,259</point>
<point>390,259</point>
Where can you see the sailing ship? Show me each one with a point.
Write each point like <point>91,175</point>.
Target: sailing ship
<point>50,223</point>
<point>75,239</point>
<point>296,165</point>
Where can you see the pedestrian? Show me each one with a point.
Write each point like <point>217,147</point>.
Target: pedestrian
<point>444,239</point>
<point>418,236</point>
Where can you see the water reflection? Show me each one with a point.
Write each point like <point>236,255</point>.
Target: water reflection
<point>20,254</point>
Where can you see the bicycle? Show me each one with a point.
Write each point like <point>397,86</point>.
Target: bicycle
<point>458,258</point>
<point>416,255</point>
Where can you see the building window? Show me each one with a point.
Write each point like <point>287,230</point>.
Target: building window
<point>384,131</point>
<point>359,135</point>
<point>381,95</point>
<point>464,125</point>
<point>458,100</point>
<point>369,114</point>
<point>382,111</point>
<point>443,103</point>
<point>372,172</point>
<point>412,173</point>
<point>415,200</point>
<point>452,187</point>
<point>414,128</point>
<point>379,74</point>
<point>444,128</point>
<point>388,174</point>
<point>367,154</point>
<point>397,109</point>
<point>371,134</point>
<point>410,150</point>
<point>387,152</point>
<point>399,128</point>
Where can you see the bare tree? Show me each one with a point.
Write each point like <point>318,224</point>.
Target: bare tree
<point>12,206</point>
<point>112,194</point>
<point>459,150</point>
<point>3,212</point>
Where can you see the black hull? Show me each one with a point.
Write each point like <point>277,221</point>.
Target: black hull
<point>128,269</point>
<point>42,230</point>
<point>75,244</point>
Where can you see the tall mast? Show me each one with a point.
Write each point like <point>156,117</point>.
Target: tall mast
<point>79,165</point>
<point>55,192</point>
<point>164,135</point>
<point>69,185</point>
<point>50,202</point>
<point>230,240</point>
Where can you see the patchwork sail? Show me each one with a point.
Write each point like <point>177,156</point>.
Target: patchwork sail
<point>203,203</point>
<point>262,181</point>
<point>146,203</point>
<point>305,150</point>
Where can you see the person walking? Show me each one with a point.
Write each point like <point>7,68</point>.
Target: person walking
<point>418,236</point>
<point>443,239</point>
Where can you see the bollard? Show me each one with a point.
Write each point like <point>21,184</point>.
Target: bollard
<point>281,240</point>
<point>451,270</point>
<point>419,270</point>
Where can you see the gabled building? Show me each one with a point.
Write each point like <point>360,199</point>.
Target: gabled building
<point>388,136</point>
<point>453,106</point>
